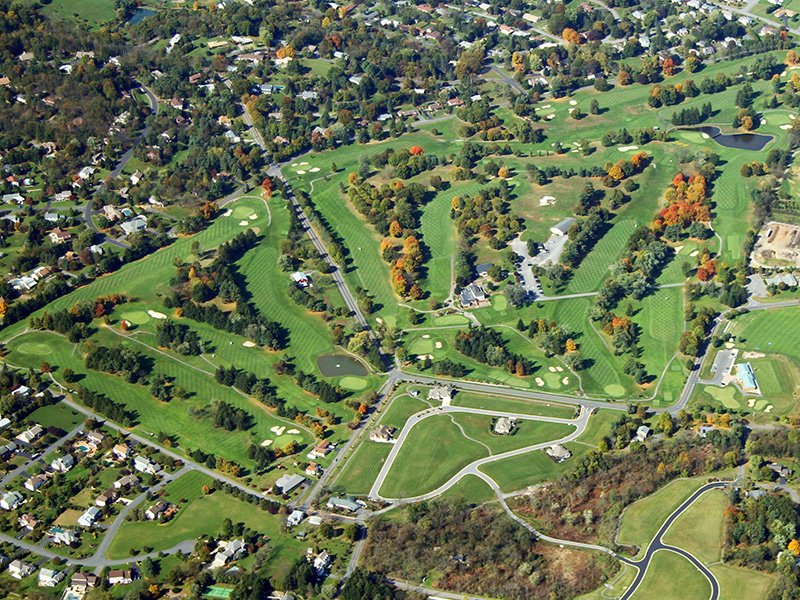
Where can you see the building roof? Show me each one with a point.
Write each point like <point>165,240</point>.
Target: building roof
<point>345,503</point>
<point>786,278</point>
<point>289,482</point>
<point>745,373</point>
<point>472,293</point>
<point>563,227</point>
<point>558,451</point>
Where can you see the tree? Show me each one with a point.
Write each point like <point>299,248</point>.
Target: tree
<point>326,530</point>
<point>665,424</point>
<point>794,547</point>
<point>45,367</point>
<point>515,294</point>
<point>416,151</point>
<point>594,107</point>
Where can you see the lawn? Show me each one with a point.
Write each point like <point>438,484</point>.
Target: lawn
<point>362,468</point>
<point>741,584</point>
<point>57,415</point>
<point>401,408</point>
<point>672,577</point>
<point>518,472</point>
<point>434,451</point>
<point>94,12</point>
<point>513,405</point>
<point>599,426</point>
<point>706,514</point>
<point>528,433</point>
<point>642,520</point>
<point>472,489</point>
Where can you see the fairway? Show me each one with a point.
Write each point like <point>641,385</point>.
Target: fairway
<point>451,320</point>
<point>672,577</point>
<point>136,317</point>
<point>706,514</point>
<point>434,451</point>
<point>34,348</point>
<point>513,405</point>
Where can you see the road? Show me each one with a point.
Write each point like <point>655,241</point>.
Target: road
<point>472,468</point>
<point>510,82</point>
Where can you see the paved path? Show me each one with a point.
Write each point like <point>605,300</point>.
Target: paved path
<point>51,448</point>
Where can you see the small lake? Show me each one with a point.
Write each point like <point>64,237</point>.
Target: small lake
<point>140,15</point>
<point>334,365</point>
<point>740,141</point>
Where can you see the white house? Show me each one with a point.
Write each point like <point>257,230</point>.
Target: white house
<point>88,518</point>
<point>642,433</point>
<point>35,482</point>
<point>441,393</point>
<point>144,464</point>
<point>31,434</point>
<point>295,518</point>
<point>562,227</point>
<point>50,577</point>
<point>155,511</point>
<point>558,452</point>
<point>63,464</point>
<point>227,552</point>
<point>11,500</point>
<point>287,483</point>
<point>19,570</point>
<point>133,225</point>
<point>121,576</point>
<point>505,425</point>
<point>64,537</point>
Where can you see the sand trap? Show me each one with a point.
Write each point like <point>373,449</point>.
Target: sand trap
<point>565,381</point>
<point>763,121</point>
<point>729,345</point>
<point>573,102</point>
<point>253,216</point>
<point>437,344</point>
<point>576,144</point>
<point>294,164</point>
<point>626,148</point>
<point>156,315</point>
<point>424,356</point>
<point>550,116</point>
<point>552,369</point>
<point>244,223</point>
<point>547,200</point>
<point>547,106</point>
<point>559,369</point>
<point>227,213</point>
<point>678,249</point>
<point>705,136</point>
<point>379,320</point>
<point>248,344</point>
<point>266,443</point>
<point>303,164</point>
<point>293,431</point>
<point>768,409</point>
<point>751,403</point>
<point>783,74</point>
<point>539,381</point>
<point>751,355</point>
<point>786,127</point>
<point>792,117</point>
<point>314,170</point>
<point>276,429</point>
<point>695,253</point>
<point>426,336</point>
<point>301,172</point>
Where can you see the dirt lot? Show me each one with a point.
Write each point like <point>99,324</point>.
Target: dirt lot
<point>778,245</point>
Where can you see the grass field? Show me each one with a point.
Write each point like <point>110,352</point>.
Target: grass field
<point>527,407</point>
<point>599,427</point>
<point>615,587</point>
<point>472,489</point>
<point>672,577</point>
<point>518,472</point>
<point>529,433</point>
<point>434,451</point>
<point>56,415</point>
<point>362,468</point>
<point>642,520</point>
<point>94,13</point>
<point>706,514</point>
<point>741,584</point>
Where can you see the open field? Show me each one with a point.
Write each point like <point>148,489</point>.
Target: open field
<point>599,427</point>
<point>615,587</point>
<point>434,451</point>
<point>706,514</point>
<point>363,468</point>
<point>672,577</point>
<point>472,489</point>
<point>518,472</point>
<point>741,584</point>
<point>529,433</point>
<point>513,405</point>
<point>641,520</point>
<point>56,415</point>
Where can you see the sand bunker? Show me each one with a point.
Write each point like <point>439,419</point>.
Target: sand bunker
<point>552,369</point>
<point>792,117</point>
<point>786,127</point>
<point>248,344</point>
<point>550,116</point>
<point>266,443</point>
<point>750,355</point>
<point>751,403</point>
<point>547,200</point>
<point>156,315</point>
<point>426,336</point>
<point>559,369</point>
<point>546,106</point>
<point>293,431</point>
<point>437,344</point>
<point>277,429</point>
<point>227,213</point>
<point>244,223</point>
<point>539,381</point>
<point>303,163</point>
<point>573,102</point>
<point>695,253</point>
<point>253,216</point>
<point>301,172</point>
<point>314,170</point>
<point>626,148</point>
<point>379,320</point>
<point>729,345</point>
<point>424,356</point>
<point>565,381</point>
<point>768,409</point>
<point>706,136</point>
<point>294,164</point>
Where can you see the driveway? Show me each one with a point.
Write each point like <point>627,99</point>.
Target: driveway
<point>723,363</point>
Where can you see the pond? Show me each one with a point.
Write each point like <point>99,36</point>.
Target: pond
<point>140,15</point>
<point>334,365</point>
<point>740,141</point>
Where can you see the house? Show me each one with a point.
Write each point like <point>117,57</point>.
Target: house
<point>126,482</point>
<point>52,217</point>
<point>563,227</point>
<point>86,172</point>
<point>64,537</point>
<point>21,392</point>
<point>295,518</point>
<point>558,453</point>
<point>106,497</point>
<point>35,482</point>
<point>23,284</point>
<point>31,434</point>
<point>135,224</point>
<point>232,137</point>
<point>483,269</point>
<point>472,295</point>
<point>63,464</point>
<point>155,511</point>
<point>144,464</point>
<point>50,577</point>
<point>455,102</point>
<point>745,375</point>
<point>343,503</point>
<point>95,439</point>
<point>13,198</point>
<point>505,425</point>
<point>313,469</point>
<point>82,582</point>
<point>287,483</point>
<point>227,552</point>
<point>40,273</point>
<point>121,576</point>
<point>28,521</point>
<point>121,452</point>
<point>755,494</point>
<point>705,430</point>
<point>136,177</point>
<point>59,236</point>
<point>785,278</point>
<point>88,518</point>
<point>413,393</point>
<point>301,279</point>
<point>321,449</point>
<point>382,434</point>
<point>781,470</point>
<point>442,393</point>
<point>111,212</point>
<point>642,433</point>
<point>196,78</point>
<point>4,422</point>
<point>19,570</point>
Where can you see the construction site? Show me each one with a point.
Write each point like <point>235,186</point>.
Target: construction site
<point>778,245</point>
